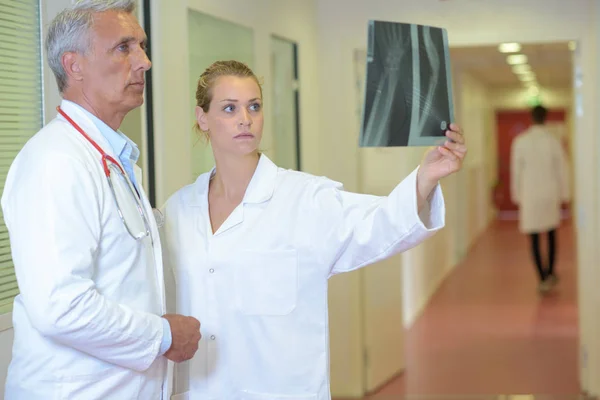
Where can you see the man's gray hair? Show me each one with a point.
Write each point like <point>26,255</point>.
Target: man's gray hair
<point>69,31</point>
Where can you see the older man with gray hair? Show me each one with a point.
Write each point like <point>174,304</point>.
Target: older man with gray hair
<point>90,321</point>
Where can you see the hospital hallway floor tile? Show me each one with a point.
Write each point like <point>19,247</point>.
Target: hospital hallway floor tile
<point>487,331</point>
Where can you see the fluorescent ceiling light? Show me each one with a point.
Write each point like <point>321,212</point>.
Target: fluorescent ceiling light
<point>572,45</point>
<point>515,59</point>
<point>509,48</point>
<point>534,90</point>
<point>526,77</point>
<point>521,68</point>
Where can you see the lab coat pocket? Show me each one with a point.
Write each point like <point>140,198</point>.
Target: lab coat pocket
<point>181,396</point>
<point>111,383</point>
<point>247,395</point>
<point>266,283</point>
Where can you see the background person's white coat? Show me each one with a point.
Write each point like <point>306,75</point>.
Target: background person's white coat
<point>539,179</point>
<point>259,284</point>
<point>87,322</point>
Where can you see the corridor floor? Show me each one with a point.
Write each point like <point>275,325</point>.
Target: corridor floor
<point>487,331</point>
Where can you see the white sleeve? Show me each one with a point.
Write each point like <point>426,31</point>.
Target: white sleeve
<point>363,229</point>
<point>54,219</point>
<point>515,172</point>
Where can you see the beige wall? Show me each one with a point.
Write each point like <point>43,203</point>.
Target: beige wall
<point>586,162</point>
<point>517,97</point>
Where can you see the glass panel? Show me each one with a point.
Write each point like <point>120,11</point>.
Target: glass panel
<point>284,103</point>
<point>211,39</point>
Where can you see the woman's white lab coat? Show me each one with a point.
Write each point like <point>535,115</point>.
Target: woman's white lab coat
<point>259,284</point>
<point>539,179</point>
<point>87,322</point>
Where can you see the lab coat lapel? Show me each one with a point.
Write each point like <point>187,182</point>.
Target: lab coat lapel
<point>92,131</point>
<point>155,246</point>
<point>259,189</point>
<point>137,173</point>
<point>89,128</point>
<point>262,184</point>
<point>234,219</point>
<point>153,224</point>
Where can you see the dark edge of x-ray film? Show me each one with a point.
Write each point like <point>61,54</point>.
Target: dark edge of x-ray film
<point>408,86</point>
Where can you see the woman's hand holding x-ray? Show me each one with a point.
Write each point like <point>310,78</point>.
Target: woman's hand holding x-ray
<point>440,162</point>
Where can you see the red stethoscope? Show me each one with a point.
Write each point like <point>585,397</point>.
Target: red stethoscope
<point>137,229</point>
<point>105,156</point>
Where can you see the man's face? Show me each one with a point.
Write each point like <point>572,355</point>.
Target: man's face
<point>113,70</point>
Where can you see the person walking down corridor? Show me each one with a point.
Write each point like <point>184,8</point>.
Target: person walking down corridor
<point>539,186</point>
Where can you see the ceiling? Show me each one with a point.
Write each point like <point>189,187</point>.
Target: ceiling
<point>551,63</point>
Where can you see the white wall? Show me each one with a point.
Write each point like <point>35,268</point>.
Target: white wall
<point>476,118</point>
<point>342,29</point>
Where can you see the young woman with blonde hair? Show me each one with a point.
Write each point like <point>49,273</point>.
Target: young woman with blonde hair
<point>253,245</point>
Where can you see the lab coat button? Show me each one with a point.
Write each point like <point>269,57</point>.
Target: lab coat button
<point>211,270</point>
<point>212,337</point>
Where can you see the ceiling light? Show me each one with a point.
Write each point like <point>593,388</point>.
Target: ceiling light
<point>572,45</point>
<point>515,59</point>
<point>526,77</point>
<point>534,90</point>
<point>521,68</point>
<point>509,48</point>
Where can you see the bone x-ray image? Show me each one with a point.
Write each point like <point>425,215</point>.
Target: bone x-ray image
<point>408,86</point>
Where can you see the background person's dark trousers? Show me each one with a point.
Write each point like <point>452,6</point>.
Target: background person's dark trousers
<point>547,276</point>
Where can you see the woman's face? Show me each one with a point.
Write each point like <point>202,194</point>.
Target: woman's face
<point>234,120</point>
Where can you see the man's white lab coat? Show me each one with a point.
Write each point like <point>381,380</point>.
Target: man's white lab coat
<point>87,322</point>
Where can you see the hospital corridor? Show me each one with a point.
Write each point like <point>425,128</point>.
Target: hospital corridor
<point>473,276</point>
<point>486,334</point>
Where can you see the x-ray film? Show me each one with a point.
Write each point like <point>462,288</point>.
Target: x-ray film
<point>408,86</point>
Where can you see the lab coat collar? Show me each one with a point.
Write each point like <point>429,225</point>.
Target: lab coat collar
<point>87,125</point>
<point>537,129</point>
<point>259,190</point>
<point>262,184</point>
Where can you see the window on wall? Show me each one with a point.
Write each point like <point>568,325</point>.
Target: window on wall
<point>285,95</point>
<point>21,111</point>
